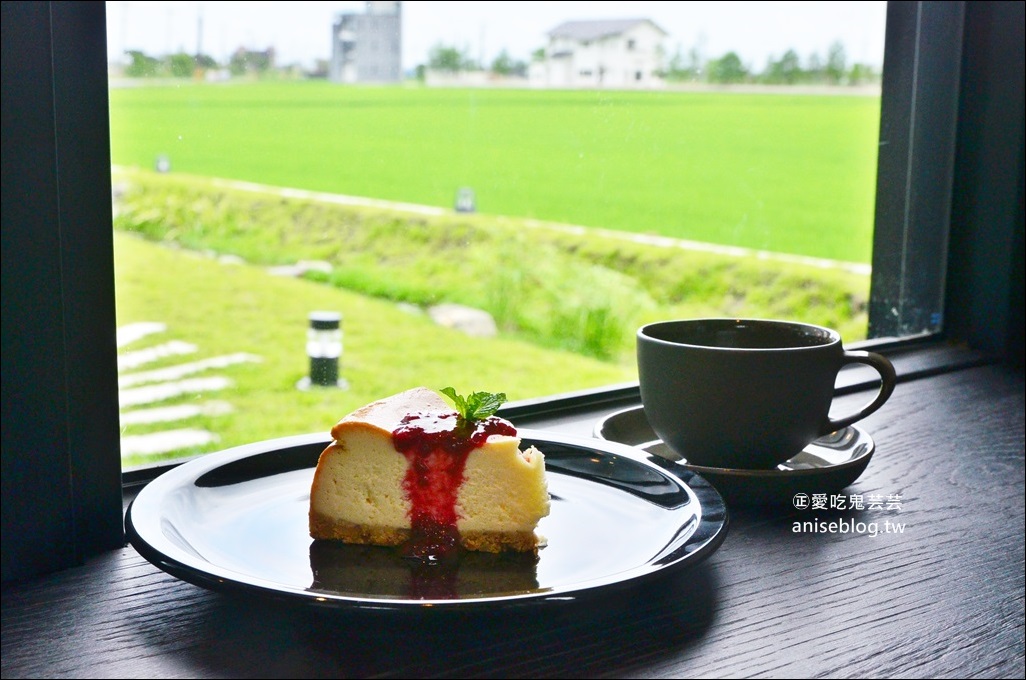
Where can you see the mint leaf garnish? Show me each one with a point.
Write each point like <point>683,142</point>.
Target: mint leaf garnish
<point>477,406</point>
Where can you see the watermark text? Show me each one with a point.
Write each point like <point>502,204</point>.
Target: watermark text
<point>847,526</point>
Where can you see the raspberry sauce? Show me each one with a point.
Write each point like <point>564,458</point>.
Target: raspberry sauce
<point>436,446</point>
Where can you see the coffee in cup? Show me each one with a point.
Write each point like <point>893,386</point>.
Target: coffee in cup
<point>746,393</point>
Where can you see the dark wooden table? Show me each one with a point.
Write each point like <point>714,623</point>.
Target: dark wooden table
<point>942,598</point>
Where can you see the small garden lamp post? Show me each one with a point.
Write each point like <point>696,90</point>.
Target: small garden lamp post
<point>465,200</point>
<point>324,347</point>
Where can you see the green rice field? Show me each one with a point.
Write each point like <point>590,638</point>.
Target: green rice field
<point>778,172</point>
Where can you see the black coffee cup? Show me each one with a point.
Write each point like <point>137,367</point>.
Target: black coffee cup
<point>745,393</point>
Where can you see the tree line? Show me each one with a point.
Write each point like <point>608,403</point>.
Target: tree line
<point>789,69</point>
<point>681,67</point>
<point>183,65</point>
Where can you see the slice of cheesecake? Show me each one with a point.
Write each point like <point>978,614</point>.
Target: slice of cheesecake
<point>407,470</point>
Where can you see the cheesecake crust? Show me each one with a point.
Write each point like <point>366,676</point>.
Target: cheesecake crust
<point>327,528</point>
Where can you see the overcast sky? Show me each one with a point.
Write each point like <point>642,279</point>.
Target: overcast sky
<point>300,32</point>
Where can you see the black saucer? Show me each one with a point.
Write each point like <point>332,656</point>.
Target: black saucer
<point>827,465</point>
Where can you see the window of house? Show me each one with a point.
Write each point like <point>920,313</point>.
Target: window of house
<point>359,218</point>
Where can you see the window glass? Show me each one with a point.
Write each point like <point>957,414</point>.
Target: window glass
<point>485,195</point>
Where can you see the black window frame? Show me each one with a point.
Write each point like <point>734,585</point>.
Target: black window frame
<point>952,123</point>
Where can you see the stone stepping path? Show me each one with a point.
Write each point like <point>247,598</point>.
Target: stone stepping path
<point>139,392</point>
<point>166,414</point>
<point>164,391</point>
<point>182,370</point>
<point>164,442</point>
<point>151,354</point>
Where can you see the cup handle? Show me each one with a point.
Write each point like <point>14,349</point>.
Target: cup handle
<point>888,379</point>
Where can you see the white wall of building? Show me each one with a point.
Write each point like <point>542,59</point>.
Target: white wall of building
<point>632,59</point>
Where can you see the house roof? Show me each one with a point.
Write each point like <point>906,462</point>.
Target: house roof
<point>595,30</point>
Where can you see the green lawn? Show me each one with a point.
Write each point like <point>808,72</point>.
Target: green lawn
<point>386,348</point>
<point>786,173</point>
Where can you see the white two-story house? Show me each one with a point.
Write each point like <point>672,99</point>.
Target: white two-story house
<point>614,53</point>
